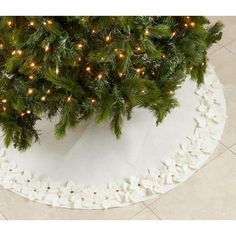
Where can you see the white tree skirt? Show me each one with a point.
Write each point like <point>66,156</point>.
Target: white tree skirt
<point>90,168</point>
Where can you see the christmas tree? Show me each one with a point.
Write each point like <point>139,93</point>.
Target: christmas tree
<point>82,67</point>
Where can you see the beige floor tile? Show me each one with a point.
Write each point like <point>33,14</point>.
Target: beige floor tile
<point>233,149</point>
<point>2,217</point>
<point>225,66</point>
<point>220,148</point>
<point>209,194</point>
<point>232,47</point>
<point>15,207</point>
<point>145,214</point>
<point>228,30</point>
<point>214,48</point>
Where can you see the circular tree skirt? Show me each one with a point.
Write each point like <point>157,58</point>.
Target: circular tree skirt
<point>90,168</point>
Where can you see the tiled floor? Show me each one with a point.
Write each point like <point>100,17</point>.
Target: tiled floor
<point>208,194</point>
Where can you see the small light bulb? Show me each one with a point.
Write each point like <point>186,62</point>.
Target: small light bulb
<point>143,91</point>
<point>171,92</point>
<point>1,45</point>
<point>4,108</point>
<point>138,49</point>
<point>192,24</point>
<point>30,91</point>
<point>31,77</point>
<point>44,23</point>
<point>43,98</point>
<point>121,55</point>
<point>57,71</point>
<point>164,56</point>
<point>138,70</point>
<point>80,45</point>
<point>173,34</point>
<point>49,22</point>
<point>108,38</point>
<point>46,49</point>
<point>9,23</point>
<point>28,112</point>
<point>93,100</point>
<point>79,59</point>
<point>93,31</point>
<point>116,50</point>
<point>22,114</point>
<point>68,99</point>
<point>88,69</point>
<point>120,74</point>
<point>31,23</point>
<point>190,68</point>
<point>4,100</point>
<point>146,32</point>
<point>100,76</point>
<point>19,52</point>
<point>48,91</point>
<point>13,53</point>
<point>186,25</point>
<point>32,64</point>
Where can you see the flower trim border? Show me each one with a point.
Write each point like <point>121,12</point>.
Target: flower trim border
<point>192,154</point>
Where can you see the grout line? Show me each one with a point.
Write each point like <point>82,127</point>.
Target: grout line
<point>232,152</point>
<point>137,213</point>
<point>228,50</point>
<point>3,216</point>
<point>212,53</point>
<point>154,213</point>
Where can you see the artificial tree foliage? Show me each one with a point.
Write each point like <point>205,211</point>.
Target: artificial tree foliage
<point>80,67</point>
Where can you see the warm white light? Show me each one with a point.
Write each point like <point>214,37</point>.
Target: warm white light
<point>9,23</point>
<point>57,71</point>
<point>43,98</point>
<point>28,112</point>
<point>93,100</point>
<point>48,91</point>
<point>108,38</point>
<point>31,77</point>
<point>100,76</point>
<point>30,91</point>
<point>32,64</point>
<point>80,45</point>
<point>88,69</point>
<point>46,48</point>
<point>146,32</point>
<point>31,23</point>
<point>1,45</point>
<point>4,100</point>
<point>121,55</point>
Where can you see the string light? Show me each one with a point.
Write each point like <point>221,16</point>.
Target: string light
<point>4,100</point>
<point>68,99</point>
<point>93,31</point>
<point>4,108</point>
<point>80,45</point>
<point>1,45</point>
<point>46,49</point>
<point>108,38</point>
<point>121,55</point>
<point>164,56</point>
<point>186,25</point>
<point>43,98</point>
<point>138,70</point>
<point>143,91</point>
<point>100,76</point>
<point>31,77</point>
<point>173,34</point>
<point>30,91</point>
<point>13,53</point>
<point>79,59</point>
<point>49,22</point>
<point>138,49</point>
<point>28,112</point>
<point>57,71</point>
<point>190,68</point>
<point>88,69</point>
<point>146,32</point>
<point>116,50</point>
<point>192,24</point>
<point>22,114</point>
<point>171,92</point>
<point>93,101</point>
<point>48,91</point>
<point>120,74</point>
<point>32,64</point>
<point>9,23</point>
<point>32,24</point>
